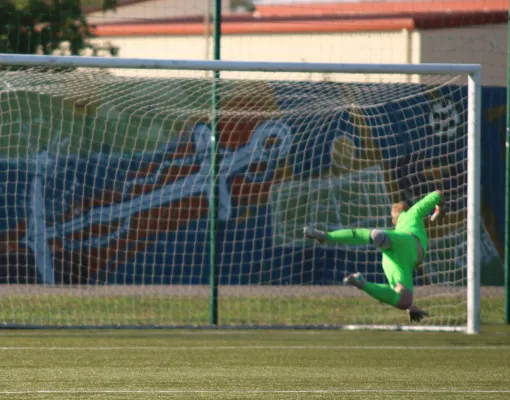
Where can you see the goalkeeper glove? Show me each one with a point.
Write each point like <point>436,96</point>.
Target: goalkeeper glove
<point>440,209</point>
<point>439,212</point>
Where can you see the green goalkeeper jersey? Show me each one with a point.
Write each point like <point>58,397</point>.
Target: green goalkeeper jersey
<point>411,221</point>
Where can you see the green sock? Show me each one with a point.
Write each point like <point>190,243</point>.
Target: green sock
<point>350,236</point>
<point>382,293</point>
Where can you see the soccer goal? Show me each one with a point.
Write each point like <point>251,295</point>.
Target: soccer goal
<point>155,193</point>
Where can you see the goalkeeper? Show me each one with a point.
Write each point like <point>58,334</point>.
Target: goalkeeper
<point>403,249</point>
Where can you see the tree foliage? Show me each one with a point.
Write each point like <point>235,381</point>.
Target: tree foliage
<point>48,27</point>
<point>242,5</point>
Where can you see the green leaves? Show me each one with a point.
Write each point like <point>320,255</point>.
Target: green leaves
<point>47,27</point>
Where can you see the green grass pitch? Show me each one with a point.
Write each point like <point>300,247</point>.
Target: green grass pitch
<point>256,364</point>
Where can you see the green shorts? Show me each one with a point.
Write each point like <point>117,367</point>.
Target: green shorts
<point>399,262</point>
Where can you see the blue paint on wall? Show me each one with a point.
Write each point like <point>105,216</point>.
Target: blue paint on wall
<point>402,132</point>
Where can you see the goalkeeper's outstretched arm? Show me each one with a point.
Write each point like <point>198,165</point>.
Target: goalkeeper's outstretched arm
<point>434,200</point>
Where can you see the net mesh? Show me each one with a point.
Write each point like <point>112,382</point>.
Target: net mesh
<point>105,188</point>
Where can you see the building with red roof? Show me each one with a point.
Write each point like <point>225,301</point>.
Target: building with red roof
<point>450,31</point>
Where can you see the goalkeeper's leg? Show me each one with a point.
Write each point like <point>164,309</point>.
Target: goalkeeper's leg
<point>397,294</point>
<point>344,236</point>
<point>401,254</point>
<point>400,296</point>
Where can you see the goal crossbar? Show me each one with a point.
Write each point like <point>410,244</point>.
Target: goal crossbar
<point>223,65</point>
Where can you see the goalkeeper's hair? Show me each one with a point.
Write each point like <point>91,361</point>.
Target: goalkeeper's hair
<point>399,207</point>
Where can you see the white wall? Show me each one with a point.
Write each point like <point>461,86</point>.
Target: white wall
<point>362,47</point>
<point>483,44</point>
<point>486,45</point>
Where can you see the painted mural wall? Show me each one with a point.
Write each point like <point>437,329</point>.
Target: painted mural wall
<point>114,188</point>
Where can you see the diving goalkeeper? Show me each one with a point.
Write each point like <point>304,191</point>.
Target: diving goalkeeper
<point>403,249</point>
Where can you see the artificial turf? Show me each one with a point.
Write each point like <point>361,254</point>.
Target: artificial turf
<point>254,364</point>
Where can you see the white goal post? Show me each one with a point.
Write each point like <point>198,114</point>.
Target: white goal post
<point>23,76</point>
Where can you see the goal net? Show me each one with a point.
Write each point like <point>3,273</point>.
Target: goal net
<point>106,191</point>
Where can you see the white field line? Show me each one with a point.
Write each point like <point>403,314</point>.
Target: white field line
<point>248,391</point>
<point>269,347</point>
<point>155,332</point>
